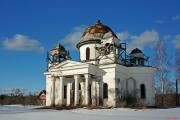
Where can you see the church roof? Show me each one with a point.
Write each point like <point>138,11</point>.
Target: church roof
<point>97,31</point>
<point>58,47</point>
<point>136,50</point>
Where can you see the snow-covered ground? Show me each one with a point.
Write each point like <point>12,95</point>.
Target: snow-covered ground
<point>17,112</point>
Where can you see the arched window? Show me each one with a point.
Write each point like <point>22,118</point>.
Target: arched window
<point>107,51</point>
<point>65,91</point>
<point>143,91</point>
<point>105,90</point>
<point>89,91</point>
<point>79,86</point>
<point>87,53</point>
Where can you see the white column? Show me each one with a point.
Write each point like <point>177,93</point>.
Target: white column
<point>76,100</point>
<point>93,83</point>
<point>61,91</point>
<point>69,94</point>
<point>97,92</point>
<point>87,80</point>
<point>53,91</point>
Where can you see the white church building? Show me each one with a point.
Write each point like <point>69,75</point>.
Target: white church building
<point>105,75</point>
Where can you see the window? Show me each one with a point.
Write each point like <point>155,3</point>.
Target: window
<point>105,90</point>
<point>79,86</point>
<point>87,53</point>
<point>107,51</point>
<point>143,91</point>
<point>65,91</point>
<point>89,91</point>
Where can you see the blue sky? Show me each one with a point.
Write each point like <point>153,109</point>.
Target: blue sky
<point>29,28</point>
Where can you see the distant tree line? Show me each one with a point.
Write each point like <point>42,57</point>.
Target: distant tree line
<point>169,99</point>
<point>17,97</point>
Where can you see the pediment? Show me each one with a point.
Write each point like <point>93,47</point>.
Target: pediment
<point>71,64</point>
<point>70,67</point>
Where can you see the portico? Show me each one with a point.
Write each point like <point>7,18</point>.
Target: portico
<point>71,89</point>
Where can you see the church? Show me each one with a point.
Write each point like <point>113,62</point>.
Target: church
<point>104,75</point>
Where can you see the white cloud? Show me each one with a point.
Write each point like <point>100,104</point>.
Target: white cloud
<point>147,38</point>
<point>176,41</point>
<point>123,36</point>
<point>177,17</point>
<point>159,21</point>
<point>22,43</point>
<point>167,37</point>
<point>73,38</point>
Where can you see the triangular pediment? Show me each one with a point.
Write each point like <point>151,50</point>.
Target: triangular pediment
<point>70,67</point>
<point>71,64</point>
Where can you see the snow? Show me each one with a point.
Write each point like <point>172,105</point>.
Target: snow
<point>17,112</point>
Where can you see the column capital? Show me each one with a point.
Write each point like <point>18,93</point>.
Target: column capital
<point>52,78</point>
<point>87,76</point>
<point>61,77</point>
<point>76,77</point>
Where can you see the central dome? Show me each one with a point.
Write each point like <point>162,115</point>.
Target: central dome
<point>97,31</point>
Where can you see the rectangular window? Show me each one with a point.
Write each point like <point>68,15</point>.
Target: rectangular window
<point>65,91</point>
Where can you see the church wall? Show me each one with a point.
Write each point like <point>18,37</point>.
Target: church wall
<point>93,52</point>
<point>144,75</point>
<point>121,76</point>
<point>140,75</point>
<point>108,76</point>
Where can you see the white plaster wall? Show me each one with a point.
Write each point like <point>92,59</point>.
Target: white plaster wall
<point>108,76</point>
<point>142,75</point>
<point>93,52</point>
<point>120,74</point>
<point>145,75</point>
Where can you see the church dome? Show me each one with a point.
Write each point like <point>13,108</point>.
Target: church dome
<point>136,51</point>
<point>97,31</point>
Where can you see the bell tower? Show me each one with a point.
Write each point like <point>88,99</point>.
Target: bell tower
<point>57,54</point>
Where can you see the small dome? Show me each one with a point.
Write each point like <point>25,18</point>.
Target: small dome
<point>136,51</point>
<point>97,31</point>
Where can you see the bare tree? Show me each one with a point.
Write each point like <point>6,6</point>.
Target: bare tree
<point>177,67</point>
<point>162,61</point>
<point>177,63</point>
